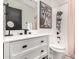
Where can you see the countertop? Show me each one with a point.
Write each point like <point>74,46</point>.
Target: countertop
<point>20,37</point>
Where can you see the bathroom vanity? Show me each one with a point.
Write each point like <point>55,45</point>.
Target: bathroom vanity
<point>26,46</point>
<point>21,15</point>
<point>25,19</point>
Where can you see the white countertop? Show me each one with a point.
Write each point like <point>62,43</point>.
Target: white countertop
<point>20,37</point>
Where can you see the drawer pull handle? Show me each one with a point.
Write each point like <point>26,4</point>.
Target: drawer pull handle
<point>42,50</point>
<point>42,41</point>
<point>24,46</point>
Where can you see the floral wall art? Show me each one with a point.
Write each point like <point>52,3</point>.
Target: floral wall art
<point>45,15</point>
<point>58,24</point>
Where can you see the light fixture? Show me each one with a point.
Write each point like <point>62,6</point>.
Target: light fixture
<point>35,0</point>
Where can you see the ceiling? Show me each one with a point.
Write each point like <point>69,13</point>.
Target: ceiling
<point>55,3</point>
<point>30,3</point>
<point>58,3</point>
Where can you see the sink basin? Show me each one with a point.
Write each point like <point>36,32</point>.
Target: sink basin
<point>57,48</point>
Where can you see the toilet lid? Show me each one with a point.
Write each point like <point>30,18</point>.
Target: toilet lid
<point>57,48</point>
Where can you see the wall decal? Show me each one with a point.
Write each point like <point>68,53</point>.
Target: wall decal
<point>58,25</point>
<point>58,20</point>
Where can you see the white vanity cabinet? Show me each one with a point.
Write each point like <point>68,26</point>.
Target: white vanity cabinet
<point>27,48</point>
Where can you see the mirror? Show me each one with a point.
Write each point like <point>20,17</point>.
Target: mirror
<point>28,13</point>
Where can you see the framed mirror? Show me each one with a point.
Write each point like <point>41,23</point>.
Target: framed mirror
<point>22,14</point>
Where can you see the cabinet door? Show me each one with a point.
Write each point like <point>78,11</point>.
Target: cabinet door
<point>44,56</point>
<point>6,50</point>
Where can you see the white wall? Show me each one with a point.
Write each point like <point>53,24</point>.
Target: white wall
<point>64,27</point>
<point>64,9</point>
<point>52,31</point>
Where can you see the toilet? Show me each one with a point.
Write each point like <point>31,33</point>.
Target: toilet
<point>57,51</point>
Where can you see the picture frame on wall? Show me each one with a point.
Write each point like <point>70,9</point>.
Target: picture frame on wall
<point>45,15</point>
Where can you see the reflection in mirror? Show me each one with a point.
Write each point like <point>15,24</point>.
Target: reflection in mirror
<point>29,12</point>
<point>10,24</point>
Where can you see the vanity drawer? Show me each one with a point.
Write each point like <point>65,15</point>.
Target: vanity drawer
<point>33,54</point>
<point>19,46</point>
<point>44,57</point>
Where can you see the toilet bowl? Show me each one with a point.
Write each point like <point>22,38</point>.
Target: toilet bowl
<point>57,51</point>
